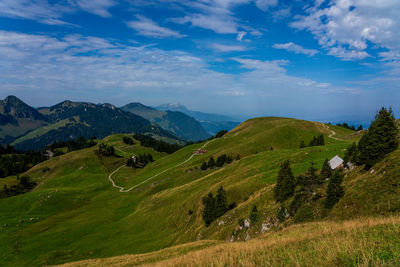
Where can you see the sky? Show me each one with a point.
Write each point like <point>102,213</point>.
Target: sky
<point>326,60</point>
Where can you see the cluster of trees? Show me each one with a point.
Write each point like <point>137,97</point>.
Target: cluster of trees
<point>12,164</point>
<point>24,184</point>
<point>380,139</point>
<point>160,146</point>
<point>141,161</point>
<point>345,125</point>
<point>8,149</point>
<point>215,207</point>
<point>306,188</point>
<point>221,160</point>
<point>72,145</point>
<point>316,141</point>
<point>106,150</point>
<point>128,140</point>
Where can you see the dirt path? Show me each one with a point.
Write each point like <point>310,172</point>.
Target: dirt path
<point>123,190</point>
<point>332,132</point>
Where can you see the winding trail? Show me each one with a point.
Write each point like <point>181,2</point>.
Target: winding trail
<point>332,132</point>
<point>123,190</point>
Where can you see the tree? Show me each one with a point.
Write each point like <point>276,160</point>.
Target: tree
<point>285,185</point>
<point>302,144</point>
<point>351,154</point>
<point>209,214</point>
<point>221,133</point>
<point>203,166</point>
<point>326,171</point>
<point>221,205</point>
<point>379,140</point>
<point>334,190</point>
<point>220,160</point>
<point>360,128</point>
<point>254,215</point>
<point>320,140</point>
<point>211,163</point>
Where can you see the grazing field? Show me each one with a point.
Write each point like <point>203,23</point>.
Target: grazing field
<point>74,213</point>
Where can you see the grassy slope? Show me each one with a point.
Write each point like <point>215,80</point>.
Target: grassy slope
<point>362,242</point>
<point>81,216</point>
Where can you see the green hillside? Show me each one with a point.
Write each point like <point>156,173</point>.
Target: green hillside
<point>76,214</point>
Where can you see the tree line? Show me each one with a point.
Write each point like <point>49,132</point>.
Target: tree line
<point>211,163</point>
<point>72,145</point>
<point>141,161</point>
<point>345,125</point>
<point>316,141</point>
<point>24,185</point>
<point>158,145</point>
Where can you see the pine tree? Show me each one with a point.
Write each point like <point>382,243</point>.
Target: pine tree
<point>203,166</point>
<point>320,140</point>
<point>209,214</point>
<point>325,171</point>
<point>211,163</point>
<point>221,202</point>
<point>302,144</point>
<point>359,128</point>
<point>351,154</point>
<point>380,139</point>
<point>285,185</point>
<point>334,190</point>
<point>254,215</point>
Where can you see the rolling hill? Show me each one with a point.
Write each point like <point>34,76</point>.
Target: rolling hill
<point>176,122</point>
<point>17,118</point>
<point>75,213</point>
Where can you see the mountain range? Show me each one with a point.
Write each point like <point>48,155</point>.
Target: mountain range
<point>28,128</point>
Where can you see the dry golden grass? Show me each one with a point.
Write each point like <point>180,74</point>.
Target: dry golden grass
<point>361,242</point>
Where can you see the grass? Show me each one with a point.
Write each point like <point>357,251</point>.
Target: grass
<point>82,216</point>
<point>361,242</point>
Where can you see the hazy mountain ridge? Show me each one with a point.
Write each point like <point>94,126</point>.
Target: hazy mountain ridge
<point>211,122</point>
<point>177,122</point>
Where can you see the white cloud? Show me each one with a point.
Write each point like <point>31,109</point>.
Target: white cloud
<point>149,28</point>
<point>98,7</point>
<point>347,28</point>
<point>102,70</point>
<point>228,48</point>
<point>265,4</point>
<point>52,12</point>
<point>296,49</point>
<point>240,36</point>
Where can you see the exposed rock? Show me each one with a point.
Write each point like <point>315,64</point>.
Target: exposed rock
<point>247,223</point>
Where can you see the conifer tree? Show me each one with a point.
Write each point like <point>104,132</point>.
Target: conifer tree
<point>325,171</point>
<point>302,144</point>
<point>351,154</point>
<point>209,214</point>
<point>203,166</point>
<point>285,185</point>
<point>254,215</point>
<point>320,140</point>
<point>221,202</point>
<point>334,190</point>
<point>211,163</point>
<point>380,139</point>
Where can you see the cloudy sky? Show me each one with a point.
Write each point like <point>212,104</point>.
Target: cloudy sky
<point>321,60</point>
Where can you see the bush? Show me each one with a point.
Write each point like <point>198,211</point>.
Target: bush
<point>106,150</point>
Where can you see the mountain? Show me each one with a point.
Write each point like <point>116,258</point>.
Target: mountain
<point>17,118</point>
<point>70,120</point>
<point>212,123</point>
<point>177,122</point>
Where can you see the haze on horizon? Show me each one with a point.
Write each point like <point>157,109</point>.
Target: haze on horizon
<point>324,60</point>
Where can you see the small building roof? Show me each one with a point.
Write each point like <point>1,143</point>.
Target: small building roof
<point>335,162</point>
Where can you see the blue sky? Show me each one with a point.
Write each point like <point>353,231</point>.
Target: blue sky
<point>321,60</point>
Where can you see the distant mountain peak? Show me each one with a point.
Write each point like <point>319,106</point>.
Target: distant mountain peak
<point>173,107</point>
